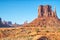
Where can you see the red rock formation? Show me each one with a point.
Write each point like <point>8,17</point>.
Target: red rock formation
<point>46,17</point>
<point>45,11</point>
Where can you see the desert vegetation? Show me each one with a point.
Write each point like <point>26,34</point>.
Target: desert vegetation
<point>26,33</point>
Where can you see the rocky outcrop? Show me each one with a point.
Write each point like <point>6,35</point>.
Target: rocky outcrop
<point>46,17</point>
<point>46,11</point>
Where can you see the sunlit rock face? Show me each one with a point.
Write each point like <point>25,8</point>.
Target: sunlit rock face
<point>46,11</point>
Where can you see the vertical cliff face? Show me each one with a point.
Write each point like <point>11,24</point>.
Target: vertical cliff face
<point>0,21</point>
<point>46,11</point>
<point>40,11</point>
<point>46,17</point>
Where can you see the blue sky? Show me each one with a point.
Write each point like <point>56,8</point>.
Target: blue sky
<point>21,10</point>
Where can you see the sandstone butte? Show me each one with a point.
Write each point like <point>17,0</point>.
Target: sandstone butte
<point>45,27</point>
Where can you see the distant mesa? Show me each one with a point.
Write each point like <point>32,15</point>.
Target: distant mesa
<point>5,24</point>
